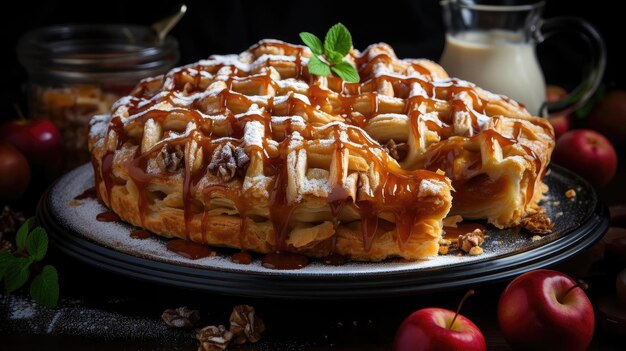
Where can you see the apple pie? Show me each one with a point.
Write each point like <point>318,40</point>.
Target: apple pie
<point>250,151</point>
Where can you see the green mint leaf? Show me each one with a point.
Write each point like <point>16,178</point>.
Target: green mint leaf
<point>338,39</point>
<point>5,260</point>
<point>17,273</point>
<point>22,233</point>
<point>317,67</point>
<point>314,43</point>
<point>334,57</point>
<point>37,243</point>
<point>346,72</point>
<point>45,287</point>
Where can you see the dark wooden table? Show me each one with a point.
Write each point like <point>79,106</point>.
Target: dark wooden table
<point>102,311</point>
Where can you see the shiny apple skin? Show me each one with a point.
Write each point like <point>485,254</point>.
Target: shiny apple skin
<point>534,315</point>
<point>426,329</point>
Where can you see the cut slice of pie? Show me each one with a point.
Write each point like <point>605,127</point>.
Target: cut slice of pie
<point>250,151</point>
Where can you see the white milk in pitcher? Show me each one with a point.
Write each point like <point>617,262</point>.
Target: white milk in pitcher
<point>498,61</point>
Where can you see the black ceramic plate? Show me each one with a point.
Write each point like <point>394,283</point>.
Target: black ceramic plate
<point>72,227</point>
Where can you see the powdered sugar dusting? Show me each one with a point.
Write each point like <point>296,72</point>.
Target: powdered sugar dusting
<point>81,219</point>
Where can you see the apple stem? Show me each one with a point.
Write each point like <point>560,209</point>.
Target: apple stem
<point>469,293</point>
<point>19,112</point>
<point>581,284</point>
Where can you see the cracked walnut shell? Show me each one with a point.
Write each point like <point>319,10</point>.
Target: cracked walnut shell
<point>213,338</point>
<point>245,325</point>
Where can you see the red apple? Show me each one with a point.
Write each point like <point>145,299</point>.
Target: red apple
<point>438,329</point>
<point>545,310</point>
<point>560,123</point>
<point>14,172</point>
<point>38,139</point>
<point>609,117</point>
<point>587,153</point>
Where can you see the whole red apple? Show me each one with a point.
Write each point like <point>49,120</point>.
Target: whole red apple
<point>38,139</point>
<point>587,153</point>
<point>609,117</point>
<point>545,310</point>
<point>14,172</point>
<point>438,329</point>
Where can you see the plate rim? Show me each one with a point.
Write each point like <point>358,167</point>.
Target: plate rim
<point>323,286</point>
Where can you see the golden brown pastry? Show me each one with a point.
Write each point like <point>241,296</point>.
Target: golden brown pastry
<point>250,151</point>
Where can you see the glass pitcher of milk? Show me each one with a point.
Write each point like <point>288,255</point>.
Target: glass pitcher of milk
<point>494,46</point>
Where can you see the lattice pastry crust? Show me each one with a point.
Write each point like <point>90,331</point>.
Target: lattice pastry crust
<point>250,151</point>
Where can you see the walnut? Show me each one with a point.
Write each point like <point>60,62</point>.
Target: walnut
<point>444,246</point>
<point>443,249</point>
<point>469,240</point>
<point>213,338</point>
<point>397,151</point>
<point>171,158</point>
<point>570,194</point>
<point>245,325</point>
<point>10,221</point>
<point>181,317</point>
<point>227,161</point>
<point>475,251</point>
<point>539,223</point>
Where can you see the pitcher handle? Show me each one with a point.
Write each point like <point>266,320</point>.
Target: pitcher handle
<point>582,93</point>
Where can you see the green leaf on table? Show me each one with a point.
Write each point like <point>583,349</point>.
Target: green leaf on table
<point>313,42</point>
<point>5,260</point>
<point>22,233</point>
<point>37,244</point>
<point>346,72</point>
<point>317,67</point>
<point>338,39</point>
<point>45,287</point>
<point>17,273</point>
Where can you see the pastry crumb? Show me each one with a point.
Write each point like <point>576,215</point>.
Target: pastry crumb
<point>558,214</point>
<point>75,203</point>
<point>536,238</point>
<point>570,194</point>
<point>452,221</point>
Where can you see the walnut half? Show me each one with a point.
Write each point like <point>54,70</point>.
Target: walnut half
<point>181,317</point>
<point>245,325</point>
<point>171,158</point>
<point>397,151</point>
<point>470,242</point>
<point>227,161</point>
<point>213,338</point>
<point>539,223</point>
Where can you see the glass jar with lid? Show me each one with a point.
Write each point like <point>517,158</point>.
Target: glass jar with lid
<point>79,70</point>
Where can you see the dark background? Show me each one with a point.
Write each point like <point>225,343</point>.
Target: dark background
<point>413,27</point>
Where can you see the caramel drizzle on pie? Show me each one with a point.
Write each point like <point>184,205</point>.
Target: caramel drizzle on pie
<point>396,194</point>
